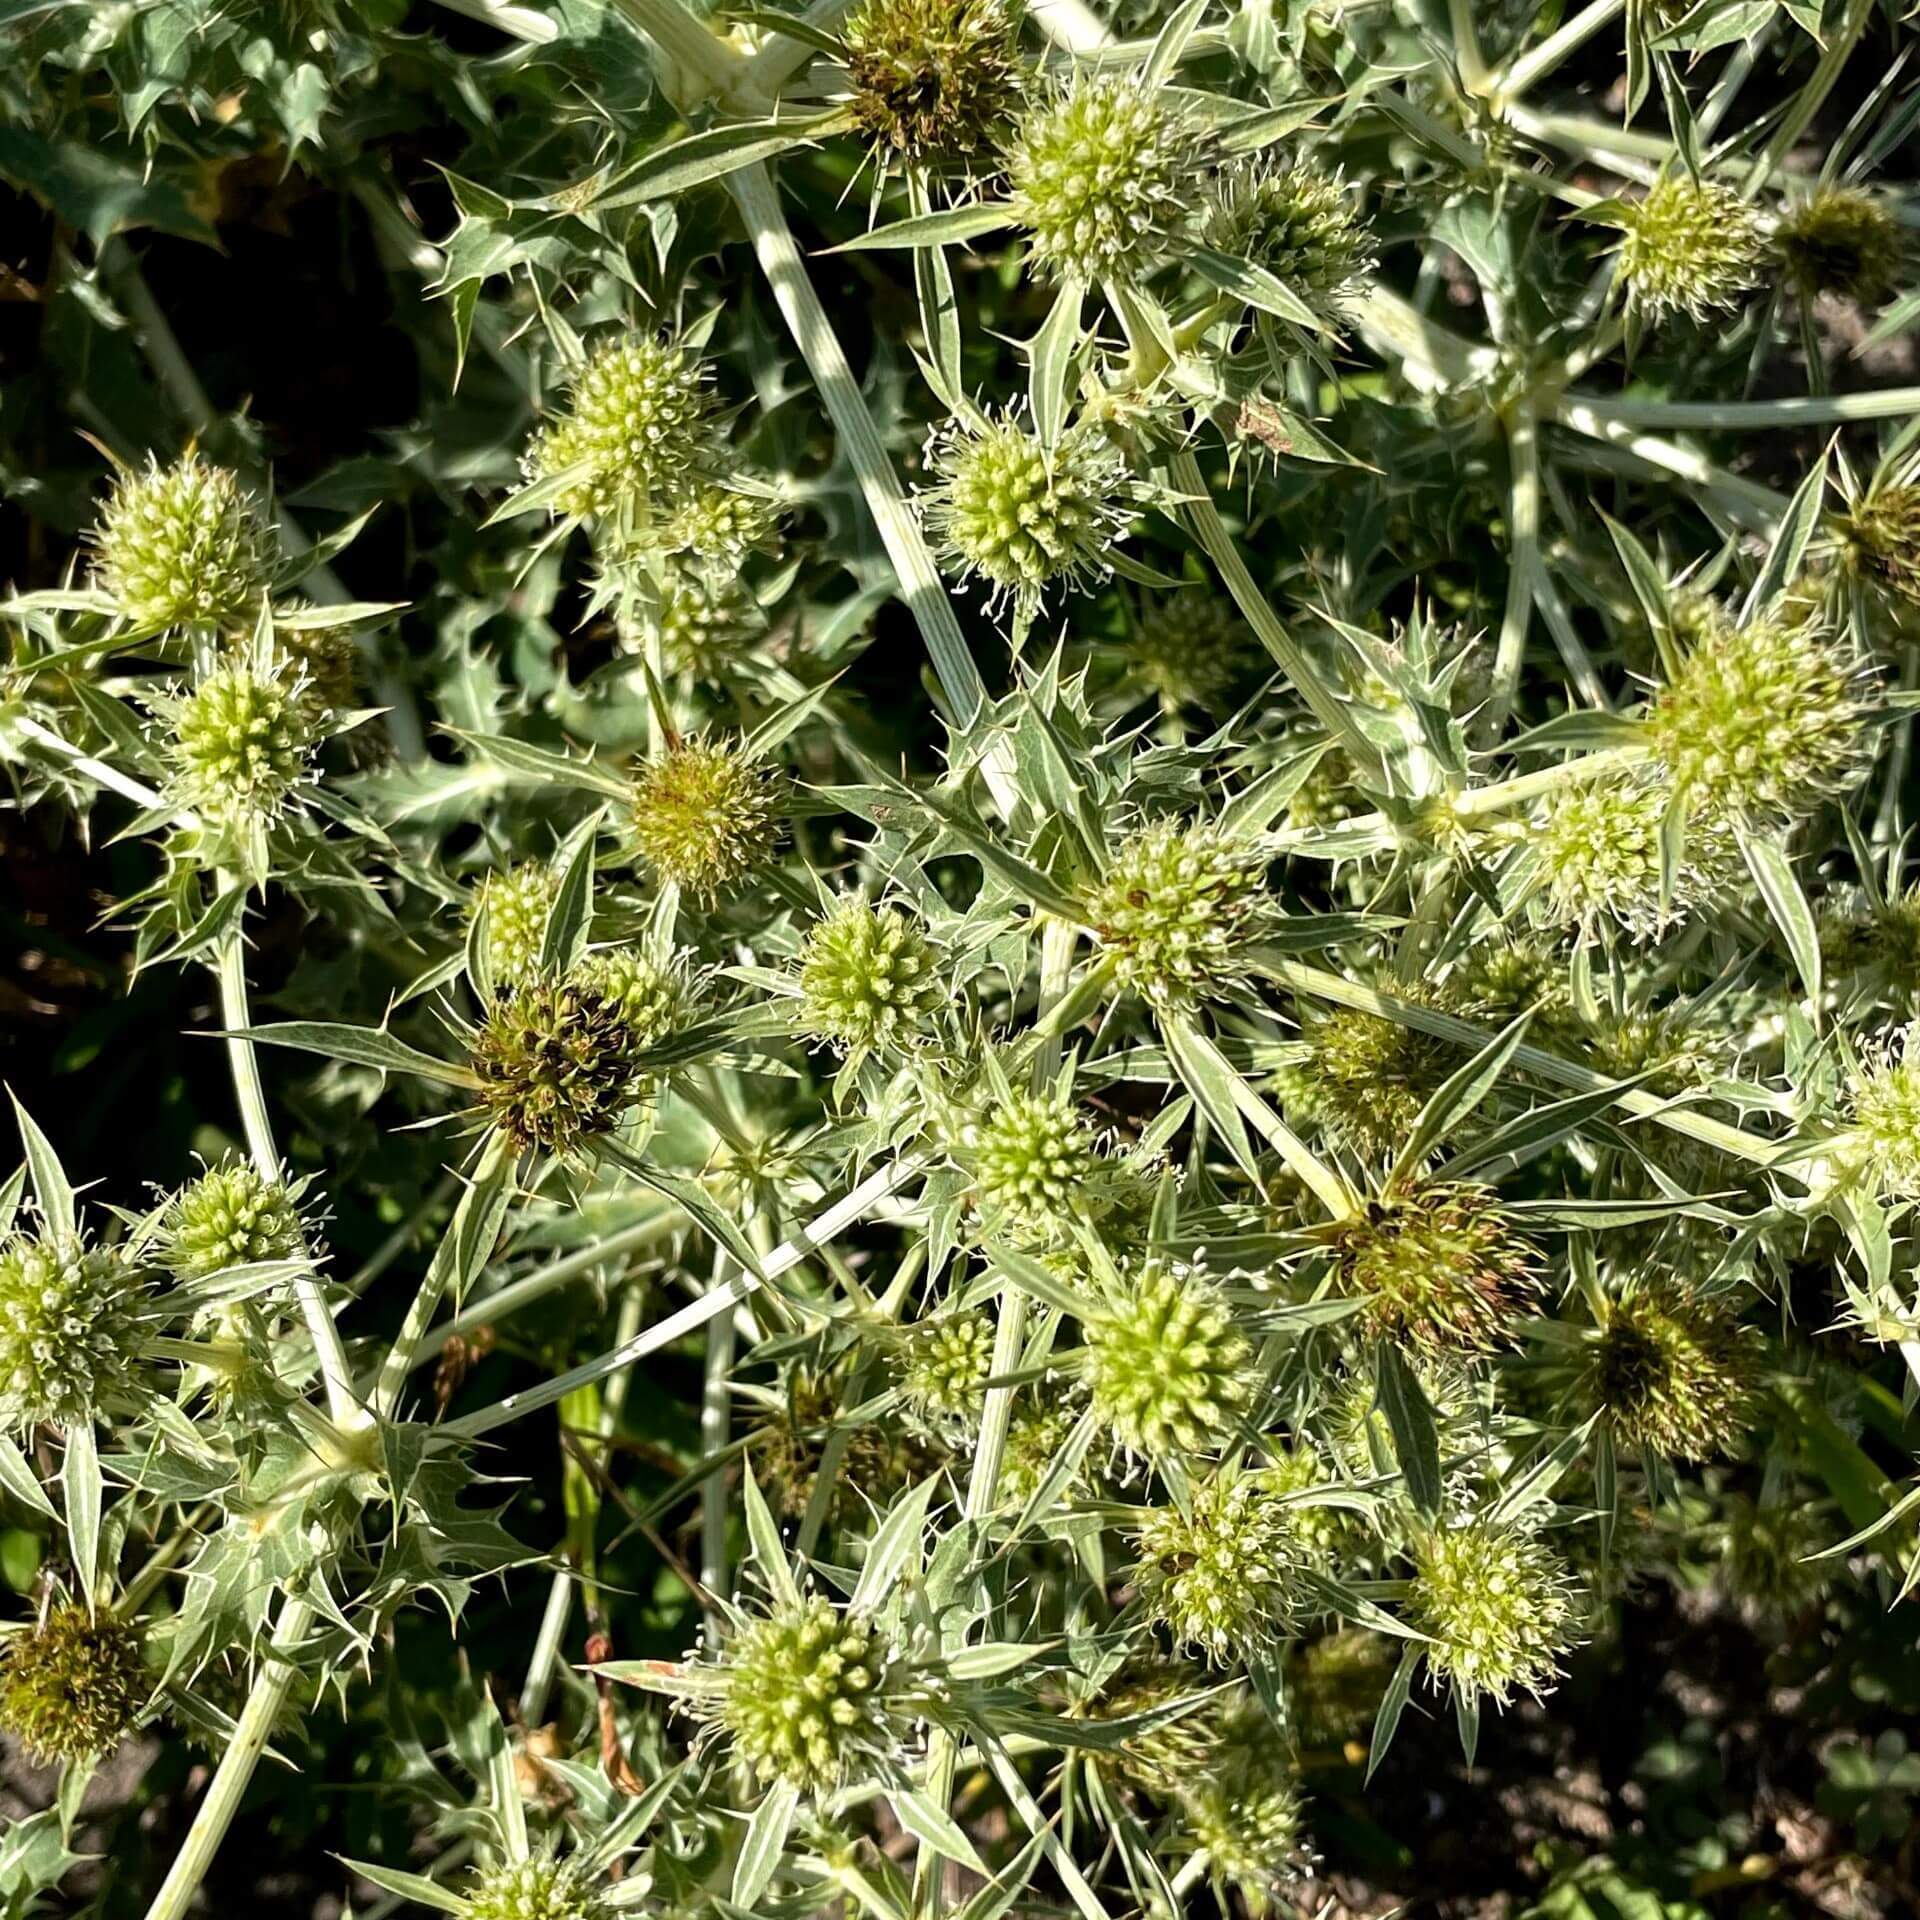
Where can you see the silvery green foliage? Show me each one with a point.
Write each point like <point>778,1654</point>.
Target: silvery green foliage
<point>1094,927</point>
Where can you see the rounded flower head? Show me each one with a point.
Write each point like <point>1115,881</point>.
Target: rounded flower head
<point>1191,650</point>
<point>1223,1574</point>
<point>1497,1605</point>
<point>1842,241</point>
<point>1324,1530</point>
<point>1690,246</point>
<point>639,416</point>
<point>705,816</point>
<point>1023,515</point>
<point>652,996</point>
<point>1033,1158</point>
<point>946,1364</point>
<point>1440,1267</point>
<point>1365,1078</point>
<point>1297,222</point>
<point>69,1329</point>
<point>704,624</point>
<point>1671,1371</point>
<point>182,546</point>
<point>716,528</point>
<point>932,79</point>
<point>516,903</point>
<point>1762,722</point>
<point>232,1216</point>
<point>1036,1438</point>
<point>1246,1813</point>
<point>1175,910</point>
<point>1103,178</point>
<point>1335,1683</point>
<point>556,1063</point>
<point>869,978</point>
<point>243,742</point>
<point>1167,1372</point>
<point>1880,538</point>
<point>542,1888</point>
<point>69,1688</point>
<point>1885,1142</point>
<point>805,1696</point>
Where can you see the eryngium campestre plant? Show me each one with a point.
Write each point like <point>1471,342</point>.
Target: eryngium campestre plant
<point>73,1684</point>
<point>1191,650</point>
<point>1880,540</point>
<point>1297,222</point>
<point>1839,240</point>
<point>516,903</point>
<point>705,816</point>
<point>243,743</point>
<point>182,546</point>
<point>70,1329</point>
<point>556,1061</point>
<point>945,1365</point>
<point>1497,1604</point>
<point>1883,1095</point>
<point>1668,1370</point>
<point>1689,246</point>
<point>1221,1572</point>
<point>932,80</point>
<point>869,978</point>
<point>232,1216</point>
<point>1034,1159</point>
<point>541,1888</point>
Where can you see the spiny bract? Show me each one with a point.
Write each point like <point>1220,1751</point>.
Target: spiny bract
<point>182,546</point>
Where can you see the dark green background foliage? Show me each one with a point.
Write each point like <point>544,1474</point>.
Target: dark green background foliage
<point>350,249</point>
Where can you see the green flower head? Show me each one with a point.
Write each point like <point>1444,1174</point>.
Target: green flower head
<point>1884,1145</point>
<point>556,1060</point>
<point>945,1366</point>
<point>1669,1370</point>
<point>1034,1159</point>
<point>932,80</point>
<point>70,1329</point>
<point>653,997</point>
<point>243,743</point>
<point>705,816</point>
<point>1842,241</point>
<point>516,902</point>
<point>1222,1573</point>
<point>1690,246</point>
<point>541,1888</point>
<point>1880,540</point>
<point>232,1216</point>
<point>73,1685</point>
<point>1191,650</point>
<point>870,978</point>
<point>1297,222</point>
<point>183,546</point>
<point>1498,1606</point>
<point>1246,1812</point>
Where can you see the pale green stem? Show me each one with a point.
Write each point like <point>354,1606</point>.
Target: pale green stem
<point>1530,68</point>
<point>1743,500</point>
<point>1523,558</point>
<point>1433,356</point>
<point>1071,25</point>
<point>716,1424</point>
<point>1799,410</point>
<point>1466,46</point>
<point>536,29</point>
<point>1809,100</point>
<point>688,41</point>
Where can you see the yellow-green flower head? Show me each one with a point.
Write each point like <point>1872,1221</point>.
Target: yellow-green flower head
<point>1325,1531</point>
<point>1335,1684</point>
<point>1880,540</point>
<point>1690,246</point>
<point>182,546</point>
<point>1764,722</point>
<point>72,1686</point>
<point>1168,1757</point>
<point>243,742</point>
<point>1021,515</point>
<point>517,902</point>
<point>1036,1437</point>
<point>1440,1267</point>
<point>1769,1554</point>
<point>654,997</point>
<point>1366,1078</point>
<point>639,418</point>
<point>70,1332</point>
<point>932,79</point>
<point>806,1696</point>
<point>1671,1371</point>
<point>1327,795</point>
<point>704,624</point>
<point>870,978</point>
<point>556,1063</point>
<point>1246,1813</point>
<point>1167,1371</point>
<point>1296,221</point>
<point>706,816</point>
<point>1104,178</point>
<point>542,1888</point>
<point>716,528</point>
<point>1842,241</point>
<point>946,1364</point>
<point>1223,1575</point>
<point>1498,1606</point>
<point>232,1216</point>
<point>1884,1094</point>
<point>1191,650</point>
<point>1358,1426</point>
<point>1176,909</point>
<point>1033,1160</point>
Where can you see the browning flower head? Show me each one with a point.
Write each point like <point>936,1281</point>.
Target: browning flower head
<point>933,80</point>
<point>243,742</point>
<point>1034,1159</point>
<point>232,1216</point>
<point>1297,222</point>
<point>945,1366</point>
<point>556,1060</point>
<point>72,1686</point>
<point>516,902</point>
<point>1021,515</point>
<point>1222,1574</point>
<point>654,997</point>
<point>1175,910</point>
<point>1167,1372</point>
<point>1880,540</point>
<point>1366,1078</point>
<point>1671,1370</point>
<point>706,816</point>
<point>1498,1606</point>
<point>1440,1267</point>
<point>1167,1757</point>
<point>70,1329</point>
<point>1103,178</point>
<point>182,546</point>
<point>1191,650</point>
<point>542,1888</point>
<point>1690,246</point>
<point>1842,241</point>
<point>869,978</point>
<point>1762,722</point>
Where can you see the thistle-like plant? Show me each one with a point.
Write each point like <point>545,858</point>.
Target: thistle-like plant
<point>72,1683</point>
<point>182,546</point>
<point>1688,246</point>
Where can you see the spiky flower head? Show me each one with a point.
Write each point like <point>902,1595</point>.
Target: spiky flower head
<point>1023,515</point>
<point>1298,222</point>
<point>1175,909</point>
<point>541,1888</point>
<point>653,996</point>
<point>1775,1554</point>
<point>1498,1606</point>
<point>1880,540</point>
<point>1167,1372</point>
<point>1103,178</point>
<point>869,978</point>
<point>1439,1266</point>
<point>639,418</point>
<point>704,624</point>
<point>1884,1094</point>
<point>706,815</point>
<point>556,1063</point>
<point>182,546</point>
<point>1670,1370</point>
<point>1842,241</point>
<point>1763,722</point>
<point>1335,1684</point>
<point>932,79</point>
<point>715,527</point>
<point>1689,246</point>
<point>1036,1438</point>
<point>1366,1078</point>
<point>1168,1756</point>
<point>945,1366</point>
<point>1191,650</point>
<point>1245,1812</point>
<point>243,742</point>
<point>71,1686</point>
<point>516,901</point>
<point>232,1216</point>
<point>805,1695</point>
<point>1298,1469</point>
<point>70,1331</point>
<point>1033,1159</point>
<point>1222,1573</point>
